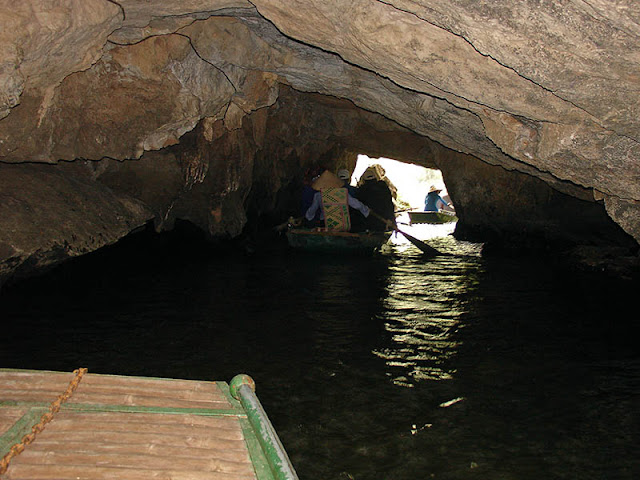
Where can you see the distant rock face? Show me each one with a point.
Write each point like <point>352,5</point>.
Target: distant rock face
<point>211,110</point>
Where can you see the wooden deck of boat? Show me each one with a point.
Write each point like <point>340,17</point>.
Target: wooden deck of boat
<point>127,428</point>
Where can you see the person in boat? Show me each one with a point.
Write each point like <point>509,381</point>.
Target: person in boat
<point>308,192</point>
<point>375,193</point>
<point>314,216</point>
<point>345,176</point>
<point>433,202</point>
<point>358,219</point>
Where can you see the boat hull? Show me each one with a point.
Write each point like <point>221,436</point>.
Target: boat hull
<point>336,242</point>
<point>431,217</point>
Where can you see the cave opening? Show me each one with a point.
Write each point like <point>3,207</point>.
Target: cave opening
<point>411,181</point>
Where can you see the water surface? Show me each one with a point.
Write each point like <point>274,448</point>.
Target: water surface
<point>391,367</point>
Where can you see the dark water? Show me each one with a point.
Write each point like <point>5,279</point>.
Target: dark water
<point>391,367</point>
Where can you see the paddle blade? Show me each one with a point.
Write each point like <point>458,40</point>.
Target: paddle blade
<point>420,244</point>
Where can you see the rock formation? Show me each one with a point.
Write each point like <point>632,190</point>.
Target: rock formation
<point>117,113</point>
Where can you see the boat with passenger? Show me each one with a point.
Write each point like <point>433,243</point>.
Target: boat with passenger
<point>441,216</point>
<point>331,241</point>
<point>336,230</point>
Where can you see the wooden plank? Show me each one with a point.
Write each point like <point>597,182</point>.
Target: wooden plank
<point>148,462</point>
<point>152,382</point>
<point>53,384</point>
<point>59,381</point>
<point>72,427</point>
<point>36,375</point>
<point>149,449</point>
<point>46,472</point>
<point>56,381</point>
<point>142,400</point>
<point>159,410</point>
<point>194,391</point>
<point>179,441</point>
<point>28,395</point>
<point>130,391</point>
<point>48,396</point>
<point>134,419</point>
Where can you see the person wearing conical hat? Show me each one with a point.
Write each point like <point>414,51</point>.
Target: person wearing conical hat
<point>344,175</point>
<point>328,180</point>
<point>375,193</point>
<point>433,200</point>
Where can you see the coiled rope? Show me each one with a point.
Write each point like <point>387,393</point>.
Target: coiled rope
<point>54,408</point>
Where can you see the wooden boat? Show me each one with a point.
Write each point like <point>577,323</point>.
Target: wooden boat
<point>432,217</point>
<point>321,240</point>
<point>82,425</point>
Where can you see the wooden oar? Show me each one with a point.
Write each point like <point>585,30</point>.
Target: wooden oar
<point>428,250</point>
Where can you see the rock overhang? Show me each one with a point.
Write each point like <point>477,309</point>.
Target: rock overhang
<point>540,92</point>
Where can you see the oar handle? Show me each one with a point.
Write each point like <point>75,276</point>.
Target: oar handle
<point>387,221</point>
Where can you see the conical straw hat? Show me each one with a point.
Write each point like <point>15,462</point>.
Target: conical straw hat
<point>370,174</point>
<point>327,180</point>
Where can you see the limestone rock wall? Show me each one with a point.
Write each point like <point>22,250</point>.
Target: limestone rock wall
<point>552,83</point>
<point>538,218</point>
<point>53,212</point>
<point>206,109</point>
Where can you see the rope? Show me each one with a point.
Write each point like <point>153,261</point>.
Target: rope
<point>54,408</point>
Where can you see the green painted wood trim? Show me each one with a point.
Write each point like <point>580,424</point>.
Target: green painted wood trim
<point>267,437</point>
<point>242,387</point>
<point>19,429</point>
<point>226,391</point>
<point>256,453</point>
<point>82,407</point>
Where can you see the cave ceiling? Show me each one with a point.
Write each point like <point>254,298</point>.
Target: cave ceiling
<point>546,89</point>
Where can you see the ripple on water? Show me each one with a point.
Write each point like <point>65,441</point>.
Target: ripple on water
<point>425,299</point>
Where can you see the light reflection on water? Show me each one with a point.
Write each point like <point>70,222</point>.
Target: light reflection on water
<point>423,304</point>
